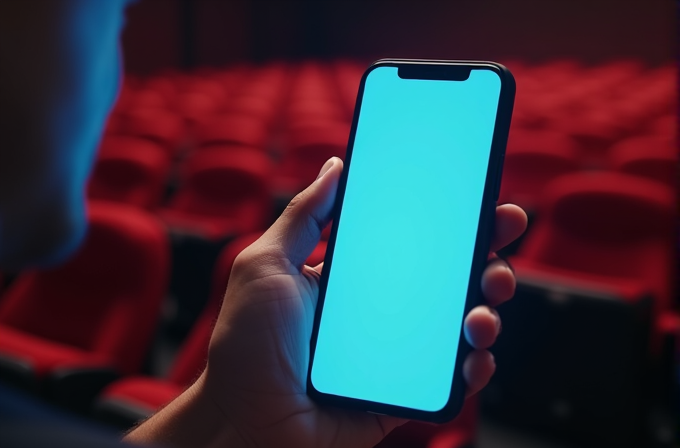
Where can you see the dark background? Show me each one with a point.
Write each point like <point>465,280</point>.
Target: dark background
<point>165,34</point>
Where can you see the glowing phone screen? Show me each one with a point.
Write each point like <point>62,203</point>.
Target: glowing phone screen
<point>394,302</point>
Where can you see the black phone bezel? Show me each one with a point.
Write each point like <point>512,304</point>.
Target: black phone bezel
<point>430,69</point>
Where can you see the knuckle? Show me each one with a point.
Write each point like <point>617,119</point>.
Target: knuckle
<point>300,202</point>
<point>244,261</point>
<point>294,203</point>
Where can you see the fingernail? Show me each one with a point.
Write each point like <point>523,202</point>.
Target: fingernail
<point>326,166</point>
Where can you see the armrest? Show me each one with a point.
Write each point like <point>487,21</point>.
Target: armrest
<point>19,373</point>
<point>560,282</point>
<point>668,375</point>
<point>668,323</point>
<point>120,413</point>
<point>75,388</point>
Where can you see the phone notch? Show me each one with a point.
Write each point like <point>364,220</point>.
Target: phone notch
<point>442,72</point>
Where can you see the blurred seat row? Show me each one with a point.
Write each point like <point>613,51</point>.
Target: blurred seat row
<point>208,154</point>
<point>167,132</point>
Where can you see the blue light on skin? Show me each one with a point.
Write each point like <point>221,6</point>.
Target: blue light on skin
<point>54,99</point>
<point>389,333</point>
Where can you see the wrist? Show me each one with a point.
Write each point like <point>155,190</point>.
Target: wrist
<point>193,419</point>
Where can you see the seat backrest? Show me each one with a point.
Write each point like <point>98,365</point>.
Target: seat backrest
<point>232,129</point>
<point>106,299</point>
<point>318,132</point>
<point>304,108</point>
<point>158,125</point>
<point>310,144</point>
<point>226,184</point>
<point>532,160</point>
<point>607,224</point>
<point>666,126</point>
<point>256,104</point>
<point>130,170</point>
<point>648,156</point>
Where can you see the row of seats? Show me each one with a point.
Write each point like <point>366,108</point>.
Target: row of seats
<point>97,313</point>
<point>207,168</point>
<point>239,105</point>
<point>68,330</point>
<point>135,171</point>
<point>605,230</point>
<point>591,337</point>
<point>534,158</point>
<point>298,116</point>
<point>616,100</point>
<point>70,362</point>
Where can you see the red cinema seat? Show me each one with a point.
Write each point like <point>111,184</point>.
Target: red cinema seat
<point>260,94</point>
<point>595,130</point>
<point>260,87</point>
<point>130,170</point>
<point>532,160</point>
<point>592,274</point>
<point>314,108</point>
<point>96,313</point>
<point>614,74</point>
<point>253,105</point>
<point>666,127</point>
<point>232,130</point>
<point>195,107</point>
<point>158,125</point>
<point>210,87</point>
<point>653,90</point>
<point>600,226</point>
<point>651,157</point>
<point>312,81</point>
<point>347,78</point>
<point>164,85</point>
<point>149,99</point>
<point>309,147</point>
<point>223,193</point>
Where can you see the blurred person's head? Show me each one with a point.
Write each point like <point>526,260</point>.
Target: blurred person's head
<point>59,76</point>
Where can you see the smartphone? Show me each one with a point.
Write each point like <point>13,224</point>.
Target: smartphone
<point>411,230</point>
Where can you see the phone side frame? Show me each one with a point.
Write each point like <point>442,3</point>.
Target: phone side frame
<point>480,255</point>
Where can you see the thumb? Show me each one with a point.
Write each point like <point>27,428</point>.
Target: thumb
<point>298,229</point>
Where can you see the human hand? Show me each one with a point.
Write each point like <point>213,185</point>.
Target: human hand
<point>259,352</point>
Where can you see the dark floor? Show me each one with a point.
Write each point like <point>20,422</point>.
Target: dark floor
<point>664,429</point>
<point>494,435</point>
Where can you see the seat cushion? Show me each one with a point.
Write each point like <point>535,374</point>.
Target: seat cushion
<point>626,288</point>
<point>45,356</point>
<point>207,227</point>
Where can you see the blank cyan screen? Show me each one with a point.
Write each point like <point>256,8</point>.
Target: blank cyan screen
<point>393,310</point>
